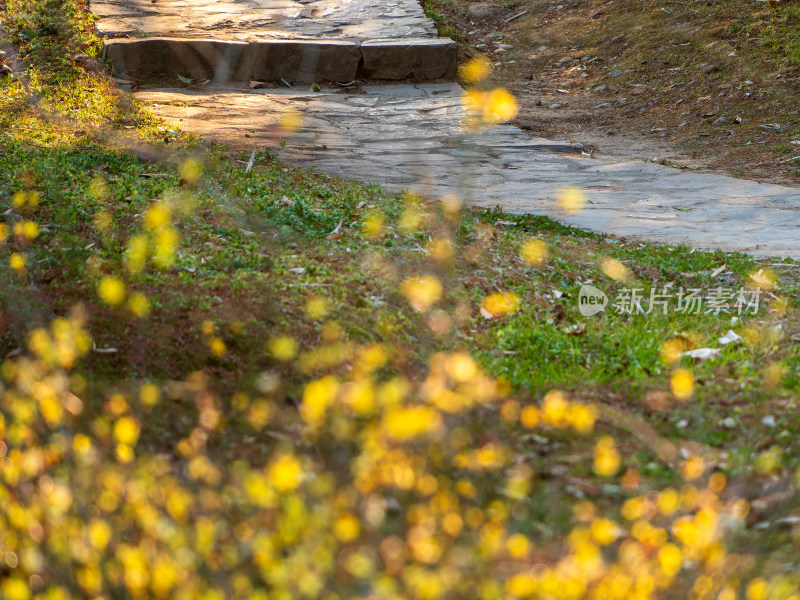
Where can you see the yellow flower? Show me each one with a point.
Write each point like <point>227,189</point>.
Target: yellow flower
<point>191,170</point>
<point>347,528</point>
<point>529,416</point>
<point>112,291</point>
<point>606,457</point>
<point>476,70</point>
<point>17,262</point>
<point>693,467</point>
<point>126,431</point>
<point>372,227</point>
<point>157,216</point>
<point>670,560</point>
<point>136,254</point>
<point>682,383</point>
<point>316,307</point>
<point>407,422</point>
<point>534,252</point>
<point>285,473</point>
<point>614,269</point>
<point>166,243</point>
<point>518,545</point>
<point>291,120</point>
<point>139,305</point>
<point>571,199</point>
<point>422,291</point>
<point>217,346</point>
<point>499,106</point>
<point>283,348</point>
<point>605,531</point>
<point>500,303</point>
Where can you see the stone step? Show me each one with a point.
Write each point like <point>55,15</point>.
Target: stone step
<point>297,60</point>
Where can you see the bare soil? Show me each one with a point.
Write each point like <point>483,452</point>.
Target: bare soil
<point>696,85</point>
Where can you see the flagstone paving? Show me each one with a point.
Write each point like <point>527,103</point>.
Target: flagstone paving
<point>414,136</point>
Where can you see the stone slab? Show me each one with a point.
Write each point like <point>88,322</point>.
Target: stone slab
<point>220,61</point>
<point>417,59</point>
<point>304,61</point>
<point>414,137</point>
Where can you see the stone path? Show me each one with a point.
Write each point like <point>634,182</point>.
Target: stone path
<point>406,136</point>
<point>252,20</point>
<point>413,136</point>
<point>295,40</point>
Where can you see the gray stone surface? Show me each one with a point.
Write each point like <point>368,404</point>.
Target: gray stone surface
<point>405,136</point>
<point>304,60</point>
<point>305,40</point>
<point>220,60</point>
<point>254,20</point>
<point>418,59</point>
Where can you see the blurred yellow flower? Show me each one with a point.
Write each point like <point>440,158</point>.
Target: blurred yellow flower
<point>672,350</point>
<point>136,253</point>
<point>605,531</point>
<point>26,230</point>
<point>316,307</point>
<point>191,170</point>
<point>139,305</point>
<point>534,252</point>
<point>285,473</point>
<point>682,383</point>
<point>149,394</point>
<point>17,262</point>
<point>217,346</point>
<point>126,431</point>
<point>518,546</point>
<point>693,468</point>
<point>291,120</point>
<point>283,348</point>
<point>165,246</point>
<point>317,397</point>
<point>499,304</point>
<point>529,416</point>
<point>373,225</point>
<point>103,220</point>
<point>408,422</point>
<point>112,291</point>
<point>422,291</point>
<point>499,106</point>
<point>18,199</point>
<point>614,269</point>
<point>347,528</point>
<point>158,215</point>
<point>571,199</point>
<point>670,559</point>
<point>476,69</point>
<point>607,459</point>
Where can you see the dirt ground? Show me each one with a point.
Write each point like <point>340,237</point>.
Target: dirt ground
<point>695,85</point>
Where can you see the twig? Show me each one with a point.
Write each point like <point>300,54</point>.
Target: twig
<point>509,19</point>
